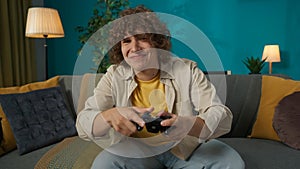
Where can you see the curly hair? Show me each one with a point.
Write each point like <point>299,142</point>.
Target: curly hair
<point>144,23</point>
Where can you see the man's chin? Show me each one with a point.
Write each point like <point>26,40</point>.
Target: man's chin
<point>139,68</point>
<point>143,65</point>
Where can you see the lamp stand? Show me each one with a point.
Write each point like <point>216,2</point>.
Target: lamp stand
<point>270,67</point>
<point>46,56</point>
<point>44,23</point>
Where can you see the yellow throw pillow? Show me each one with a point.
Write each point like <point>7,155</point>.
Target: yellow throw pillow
<point>9,143</point>
<point>273,90</point>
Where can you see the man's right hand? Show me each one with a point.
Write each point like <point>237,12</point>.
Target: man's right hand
<point>120,118</point>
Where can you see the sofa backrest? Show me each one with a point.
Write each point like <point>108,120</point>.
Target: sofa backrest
<point>78,88</point>
<point>71,86</point>
<point>241,93</point>
<point>88,84</point>
<point>242,97</point>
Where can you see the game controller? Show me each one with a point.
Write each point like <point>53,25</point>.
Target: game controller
<point>153,123</point>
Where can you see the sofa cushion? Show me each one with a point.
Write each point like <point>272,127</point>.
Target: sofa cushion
<point>264,154</point>
<point>12,160</point>
<point>38,118</point>
<point>9,143</point>
<point>71,85</point>
<point>88,84</point>
<point>286,120</point>
<point>75,152</point>
<point>1,132</point>
<point>242,97</point>
<point>272,91</point>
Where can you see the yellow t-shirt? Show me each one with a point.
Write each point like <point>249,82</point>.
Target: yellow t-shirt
<point>149,94</point>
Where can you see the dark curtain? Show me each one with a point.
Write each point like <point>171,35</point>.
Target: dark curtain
<point>17,54</point>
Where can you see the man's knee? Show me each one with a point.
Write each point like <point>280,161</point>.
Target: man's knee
<point>106,160</point>
<point>216,154</point>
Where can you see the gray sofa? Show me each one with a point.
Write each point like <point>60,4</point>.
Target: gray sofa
<point>241,93</point>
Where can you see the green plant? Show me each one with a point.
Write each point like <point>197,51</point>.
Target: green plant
<point>254,65</point>
<point>104,12</point>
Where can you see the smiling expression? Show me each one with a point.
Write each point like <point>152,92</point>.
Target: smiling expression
<point>138,52</point>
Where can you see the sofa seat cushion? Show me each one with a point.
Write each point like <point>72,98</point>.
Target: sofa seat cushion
<point>72,152</point>
<point>12,159</point>
<point>262,153</point>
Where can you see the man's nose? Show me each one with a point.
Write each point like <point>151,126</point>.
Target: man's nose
<point>135,46</point>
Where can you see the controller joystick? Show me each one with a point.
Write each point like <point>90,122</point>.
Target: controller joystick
<point>138,127</point>
<point>153,123</point>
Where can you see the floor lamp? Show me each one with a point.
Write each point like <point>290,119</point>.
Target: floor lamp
<point>44,23</point>
<point>272,54</point>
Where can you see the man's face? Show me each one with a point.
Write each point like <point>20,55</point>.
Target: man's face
<point>137,52</point>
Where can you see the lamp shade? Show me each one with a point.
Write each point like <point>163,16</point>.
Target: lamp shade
<point>43,23</point>
<point>272,53</point>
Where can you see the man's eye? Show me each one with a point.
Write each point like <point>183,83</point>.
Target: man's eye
<point>142,37</point>
<point>126,41</point>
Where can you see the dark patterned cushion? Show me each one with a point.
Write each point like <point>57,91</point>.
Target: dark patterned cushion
<point>286,120</point>
<point>38,118</point>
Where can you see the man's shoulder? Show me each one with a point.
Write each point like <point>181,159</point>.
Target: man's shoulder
<point>184,62</point>
<point>189,62</point>
<point>119,70</point>
<point>112,68</point>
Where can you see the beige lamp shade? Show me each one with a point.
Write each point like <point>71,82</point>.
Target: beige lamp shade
<point>43,23</point>
<point>272,53</point>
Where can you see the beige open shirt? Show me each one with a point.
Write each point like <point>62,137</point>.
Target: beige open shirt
<point>187,91</point>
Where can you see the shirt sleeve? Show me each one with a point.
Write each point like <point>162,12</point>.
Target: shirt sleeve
<point>101,100</point>
<point>216,115</point>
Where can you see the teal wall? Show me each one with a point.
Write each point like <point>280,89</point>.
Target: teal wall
<point>237,29</point>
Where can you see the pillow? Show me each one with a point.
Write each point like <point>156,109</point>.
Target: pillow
<point>286,120</point>
<point>1,137</point>
<point>272,91</point>
<point>38,118</point>
<point>1,133</point>
<point>9,143</point>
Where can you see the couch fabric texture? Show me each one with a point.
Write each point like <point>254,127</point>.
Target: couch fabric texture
<point>243,95</point>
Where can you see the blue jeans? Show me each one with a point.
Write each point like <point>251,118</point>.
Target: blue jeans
<point>211,155</point>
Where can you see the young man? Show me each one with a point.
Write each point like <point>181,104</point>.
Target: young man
<point>147,84</point>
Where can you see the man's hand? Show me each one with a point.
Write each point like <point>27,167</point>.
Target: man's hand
<point>167,122</point>
<point>120,118</point>
<point>182,125</point>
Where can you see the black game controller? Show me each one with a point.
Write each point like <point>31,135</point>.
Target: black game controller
<point>153,123</point>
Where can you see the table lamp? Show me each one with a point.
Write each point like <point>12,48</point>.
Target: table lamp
<point>44,23</point>
<point>272,54</point>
